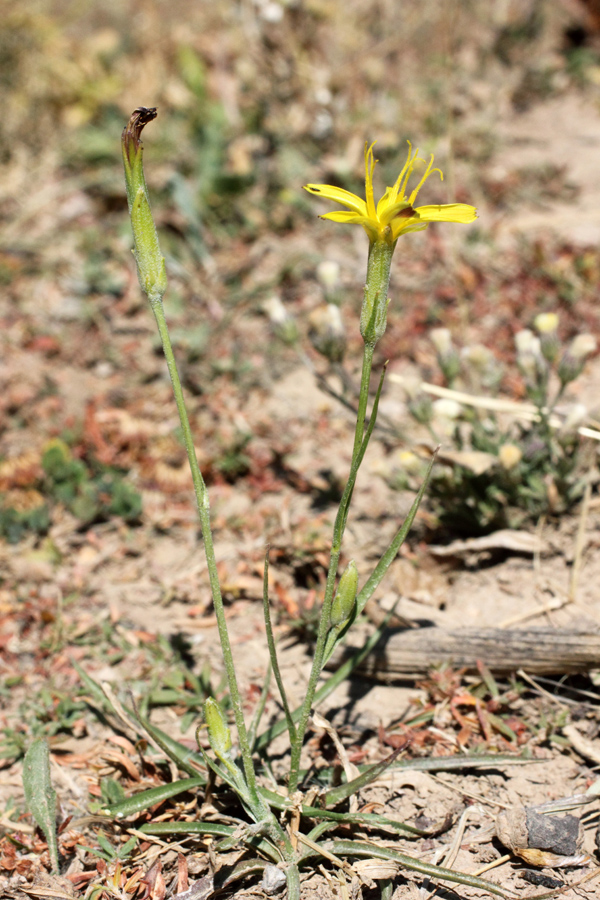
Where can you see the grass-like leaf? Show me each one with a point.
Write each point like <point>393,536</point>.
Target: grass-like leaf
<point>159,829</point>
<point>336,795</point>
<point>146,799</point>
<point>185,758</point>
<point>372,851</point>
<point>40,795</point>
<point>214,829</point>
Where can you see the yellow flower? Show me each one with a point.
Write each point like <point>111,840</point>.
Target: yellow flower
<point>394,214</point>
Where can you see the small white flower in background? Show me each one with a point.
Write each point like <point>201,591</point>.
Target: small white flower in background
<point>545,323</point>
<point>272,13</point>
<point>573,360</point>
<point>326,332</point>
<point>328,274</point>
<point>529,353</point>
<point>582,345</point>
<point>446,409</point>
<point>284,325</point>
<point>509,455</point>
<point>527,342</point>
<point>448,358</point>
<point>275,310</point>
<point>441,340</point>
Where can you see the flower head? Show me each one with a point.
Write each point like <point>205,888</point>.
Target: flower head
<point>395,213</point>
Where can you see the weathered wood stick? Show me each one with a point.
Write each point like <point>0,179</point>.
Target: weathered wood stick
<point>540,651</point>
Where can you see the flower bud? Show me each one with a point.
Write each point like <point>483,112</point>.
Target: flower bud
<point>150,262</point>
<point>478,357</point>
<point>219,735</point>
<point>345,598</point>
<point>326,332</point>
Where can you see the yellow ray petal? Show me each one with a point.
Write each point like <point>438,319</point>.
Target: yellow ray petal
<point>345,215</point>
<point>338,195</point>
<point>447,212</point>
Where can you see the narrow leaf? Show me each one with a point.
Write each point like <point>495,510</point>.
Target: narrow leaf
<point>186,759</point>
<point>372,851</point>
<point>145,799</point>
<point>372,819</point>
<point>40,795</point>
<point>162,828</point>
<point>336,795</point>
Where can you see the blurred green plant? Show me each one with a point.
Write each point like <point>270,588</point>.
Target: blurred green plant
<point>108,852</point>
<point>92,492</point>
<point>46,714</point>
<point>497,470</point>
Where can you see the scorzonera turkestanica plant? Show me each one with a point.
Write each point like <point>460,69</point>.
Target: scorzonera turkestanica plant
<point>282,827</point>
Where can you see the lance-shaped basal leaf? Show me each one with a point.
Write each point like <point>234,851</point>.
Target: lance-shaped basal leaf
<point>40,796</point>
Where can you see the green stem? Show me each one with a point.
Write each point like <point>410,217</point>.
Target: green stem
<point>363,399</point>
<point>273,652</point>
<point>373,318</point>
<point>203,505</point>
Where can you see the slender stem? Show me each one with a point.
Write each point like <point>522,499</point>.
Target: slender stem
<point>336,549</point>
<point>372,327</point>
<point>203,505</point>
<point>365,380</point>
<point>273,652</point>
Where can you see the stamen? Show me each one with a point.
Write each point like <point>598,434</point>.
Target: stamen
<point>396,188</point>
<point>369,169</point>
<point>416,158</point>
<point>428,171</point>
